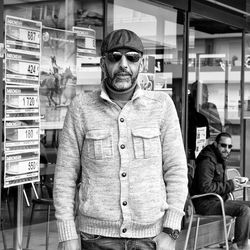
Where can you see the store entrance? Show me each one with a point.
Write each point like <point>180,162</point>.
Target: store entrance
<point>215,64</point>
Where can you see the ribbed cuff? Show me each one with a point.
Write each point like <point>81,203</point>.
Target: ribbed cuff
<point>66,230</point>
<point>173,218</point>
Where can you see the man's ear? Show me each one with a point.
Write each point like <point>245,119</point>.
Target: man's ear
<point>102,64</point>
<point>141,65</point>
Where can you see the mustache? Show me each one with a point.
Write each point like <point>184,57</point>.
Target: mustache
<point>122,73</point>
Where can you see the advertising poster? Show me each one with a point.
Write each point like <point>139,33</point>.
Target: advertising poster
<point>200,139</point>
<point>163,81</point>
<point>22,113</point>
<point>146,78</point>
<point>58,76</point>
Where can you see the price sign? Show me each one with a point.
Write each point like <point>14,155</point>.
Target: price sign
<point>27,134</point>
<point>90,43</point>
<point>29,68</point>
<point>32,165</point>
<point>22,167</point>
<point>29,35</point>
<point>28,101</point>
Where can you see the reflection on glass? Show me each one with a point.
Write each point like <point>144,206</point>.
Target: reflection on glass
<point>59,83</point>
<point>163,42</point>
<point>214,78</point>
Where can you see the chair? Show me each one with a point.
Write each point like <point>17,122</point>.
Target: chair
<point>227,220</point>
<point>45,183</point>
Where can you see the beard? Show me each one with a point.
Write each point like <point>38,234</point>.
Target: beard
<point>121,81</point>
<point>225,155</point>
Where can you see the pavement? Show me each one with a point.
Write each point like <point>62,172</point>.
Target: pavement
<point>38,237</point>
<point>37,240</point>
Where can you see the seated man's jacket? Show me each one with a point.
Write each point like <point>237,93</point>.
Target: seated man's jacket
<point>210,177</point>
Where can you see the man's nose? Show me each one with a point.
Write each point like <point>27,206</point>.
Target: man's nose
<point>123,62</point>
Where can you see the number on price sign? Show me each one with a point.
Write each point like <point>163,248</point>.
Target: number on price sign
<point>27,134</point>
<point>32,69</point>
<point>89,43</point>
<point>28,101</point>
<point>29,68</point>
<point>32,165</point>
<point>29,36</point>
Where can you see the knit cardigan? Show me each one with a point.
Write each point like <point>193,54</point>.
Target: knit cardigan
<point>134,171</point>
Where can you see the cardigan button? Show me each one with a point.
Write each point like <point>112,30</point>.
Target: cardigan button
<point>121,119</point>
<point>122,146</point>
<point>124,203</point>
<point>124,230</point>
<point>124,174</point>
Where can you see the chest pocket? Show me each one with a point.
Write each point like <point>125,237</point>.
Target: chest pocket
<point>99,144</point>
<point>146,142</point>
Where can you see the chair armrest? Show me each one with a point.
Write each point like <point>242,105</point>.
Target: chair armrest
<point>213,194</point>
<point>209,194</point>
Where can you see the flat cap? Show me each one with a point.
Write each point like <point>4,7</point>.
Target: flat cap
<point>121,38</point>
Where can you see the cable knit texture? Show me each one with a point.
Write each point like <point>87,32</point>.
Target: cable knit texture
<point>134,171</point>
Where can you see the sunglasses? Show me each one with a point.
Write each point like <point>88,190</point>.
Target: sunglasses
<point>116,56</point>
<point>224,145</point>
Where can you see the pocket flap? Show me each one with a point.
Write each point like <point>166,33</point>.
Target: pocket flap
<point>97,134</point>
<point>146,132</point>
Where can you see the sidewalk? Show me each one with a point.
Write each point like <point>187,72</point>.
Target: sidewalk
<point>38,235</point>
<point>37,239</point>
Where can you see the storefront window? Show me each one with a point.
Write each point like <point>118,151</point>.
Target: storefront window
<point>246,106</point>
<point>71,35</point>
<point>69,65</point>
<point>162,39</point>
<point>214,79</point>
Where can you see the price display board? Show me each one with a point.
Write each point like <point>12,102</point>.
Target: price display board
<point>85,41</point>
<point>22,104</point>
<point>87,62</point>
<point>23,51</point>
<point>21,97</point>
<point>21,168</point>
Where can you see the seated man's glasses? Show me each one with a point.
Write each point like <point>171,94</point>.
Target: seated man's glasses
<point>224,145</point>
<point>116,56</point>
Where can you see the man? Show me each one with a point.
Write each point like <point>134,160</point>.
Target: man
<point>210,178</point>
<point>129,144</point>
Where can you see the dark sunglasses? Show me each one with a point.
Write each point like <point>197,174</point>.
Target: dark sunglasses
<point>224,145</point>
<point>116,56</point>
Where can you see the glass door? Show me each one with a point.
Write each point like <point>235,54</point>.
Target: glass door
<point>246,106</point>
<point>214,81</point>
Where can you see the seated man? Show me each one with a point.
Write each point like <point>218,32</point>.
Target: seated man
<point>210,177</point>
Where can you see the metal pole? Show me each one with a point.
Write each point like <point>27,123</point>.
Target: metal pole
<point>1,94</point>
<point>18,216</point>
